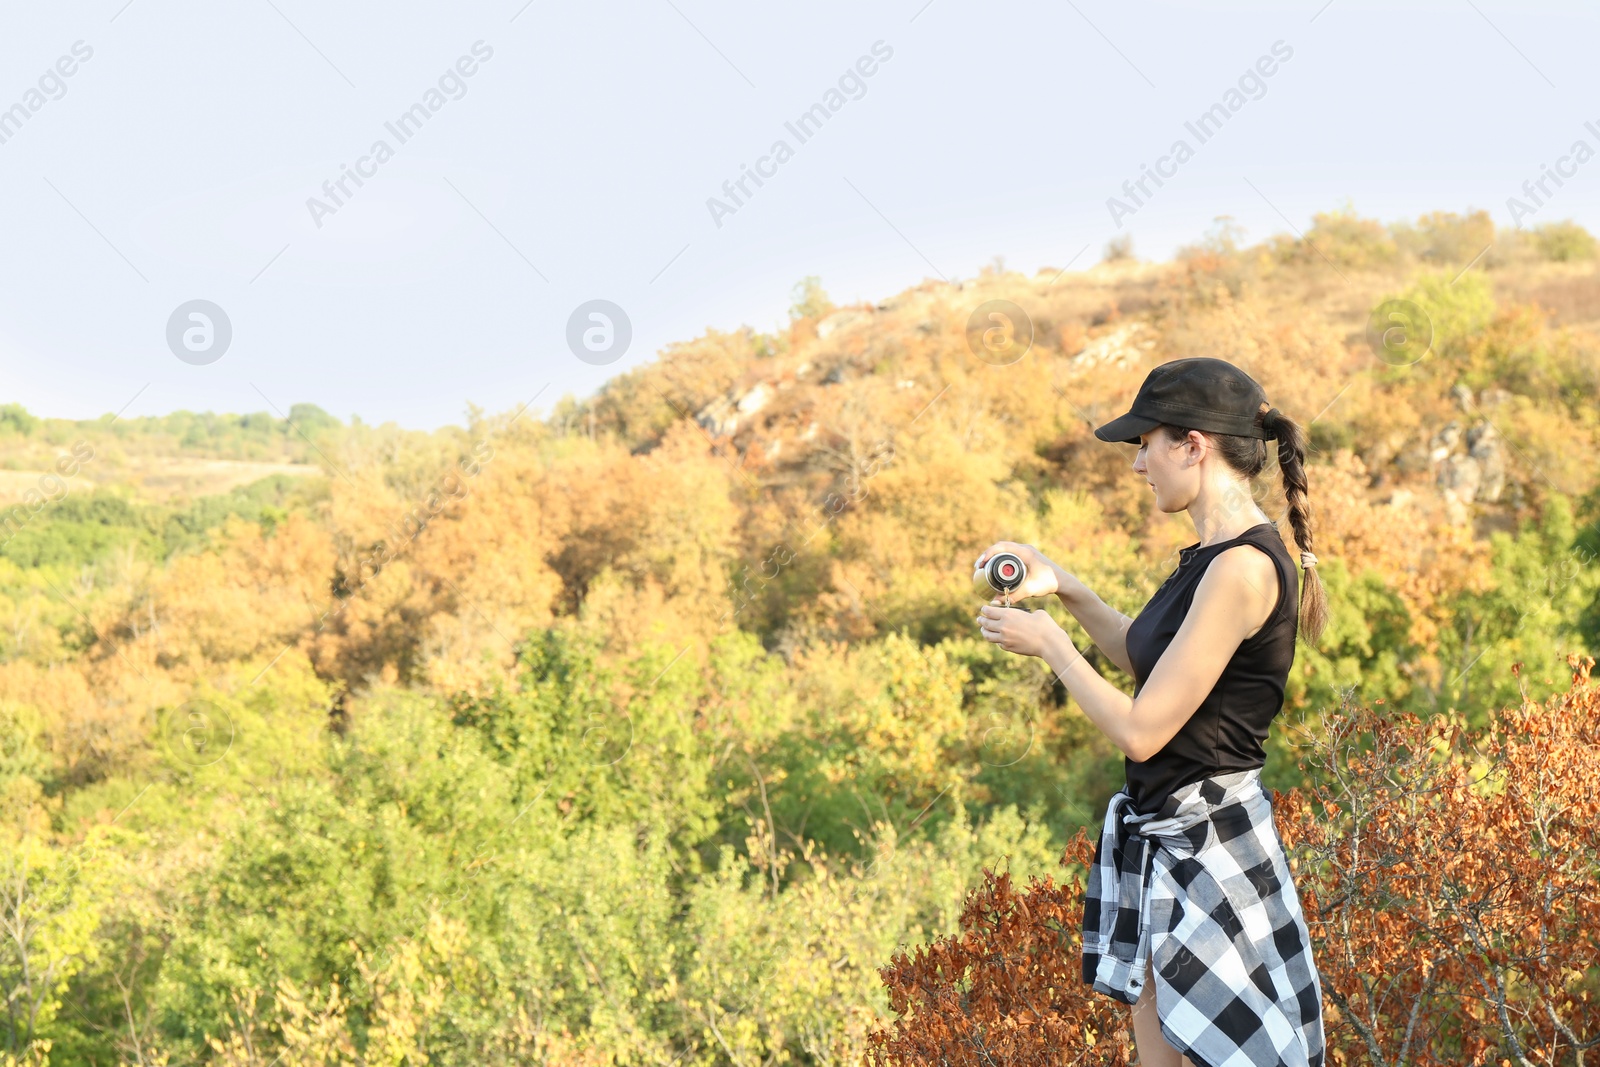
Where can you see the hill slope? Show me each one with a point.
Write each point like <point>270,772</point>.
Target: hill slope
<point>535,738</point>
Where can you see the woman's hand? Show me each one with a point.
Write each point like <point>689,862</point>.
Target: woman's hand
<point>1043,575</point>
<point>1027,633</point>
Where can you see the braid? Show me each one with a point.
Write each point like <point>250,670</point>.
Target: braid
<point>1248,456</point>
<point>1292,462</point>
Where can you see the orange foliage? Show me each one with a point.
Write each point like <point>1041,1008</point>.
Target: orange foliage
<point>95,715</point>
<point>1433,561</point>
<point>1006,990</point>
<point>1449,883</point>
<point>252,596</point>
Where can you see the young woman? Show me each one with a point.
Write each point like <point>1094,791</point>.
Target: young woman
<point>1190,911</point>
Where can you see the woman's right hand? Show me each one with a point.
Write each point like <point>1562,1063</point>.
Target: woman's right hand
<point>1043,576</point>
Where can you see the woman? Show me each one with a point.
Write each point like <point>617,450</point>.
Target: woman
<point>1190,912</point>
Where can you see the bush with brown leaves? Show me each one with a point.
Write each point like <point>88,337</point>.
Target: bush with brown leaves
<point>1451,884</point>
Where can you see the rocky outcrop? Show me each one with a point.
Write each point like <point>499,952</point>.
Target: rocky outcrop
<point>840,320</point>
<point>1445,441</point>
<point>720,418</point>
<point>1120,347</point>
<point>1469,464</point>
<point>1484,446</point>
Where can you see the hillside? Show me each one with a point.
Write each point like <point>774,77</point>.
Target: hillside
<point>537,737</point>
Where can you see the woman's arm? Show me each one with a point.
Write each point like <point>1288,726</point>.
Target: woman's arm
<point>1106,626</point>
<point>1233,599</point>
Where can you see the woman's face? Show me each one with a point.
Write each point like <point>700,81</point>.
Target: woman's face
<point>1162,463</point>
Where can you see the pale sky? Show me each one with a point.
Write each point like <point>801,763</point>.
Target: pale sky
<point>575,162</point>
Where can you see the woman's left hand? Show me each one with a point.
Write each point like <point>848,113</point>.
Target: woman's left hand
<point>1027,633</point>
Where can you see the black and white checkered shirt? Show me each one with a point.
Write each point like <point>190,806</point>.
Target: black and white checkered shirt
<point>1202,889</point>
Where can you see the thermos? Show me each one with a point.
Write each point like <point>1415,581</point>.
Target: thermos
<point>1004,572</point>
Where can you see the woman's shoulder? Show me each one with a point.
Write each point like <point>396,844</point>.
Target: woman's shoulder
<point>1247,561</point>
<point>1245,573</point>
<point>1269,542</point>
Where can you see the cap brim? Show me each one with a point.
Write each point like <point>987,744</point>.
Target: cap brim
<point>1126,428</point>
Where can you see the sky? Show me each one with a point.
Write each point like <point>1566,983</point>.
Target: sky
<point>563,201</point>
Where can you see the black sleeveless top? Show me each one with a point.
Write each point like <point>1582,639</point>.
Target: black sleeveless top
<point>1228,731</point>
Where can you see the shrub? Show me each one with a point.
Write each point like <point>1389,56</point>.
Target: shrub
<point>1448,880</point>
<point>1448,884</point>
<point>1445,237</point>
<point>1458,307</point>
<point>1343,238</point>
<point>1007,989</point>
<point>1564,241</point>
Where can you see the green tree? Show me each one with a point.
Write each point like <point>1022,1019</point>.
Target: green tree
<point>1541,582</point>
<point>14,418</point>
<point>808,300</point>
<point>52,899</point>
<point>1563,241</point>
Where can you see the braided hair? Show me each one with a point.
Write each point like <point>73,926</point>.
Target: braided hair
<point>1248,456</point>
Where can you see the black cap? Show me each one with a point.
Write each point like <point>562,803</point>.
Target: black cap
<point>1200,393</point>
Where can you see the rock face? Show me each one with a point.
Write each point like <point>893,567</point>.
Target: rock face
<point>1120,347</point>
<point>1461,475</point>
<point>841,319</point>
<point>1484,445</point>
<point>1470,466</point>
<point>755,399</point>
<point>1445,441</point>
<point>721,416</point>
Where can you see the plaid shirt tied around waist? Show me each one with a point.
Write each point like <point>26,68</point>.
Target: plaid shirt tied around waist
<point>1202,890</point>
